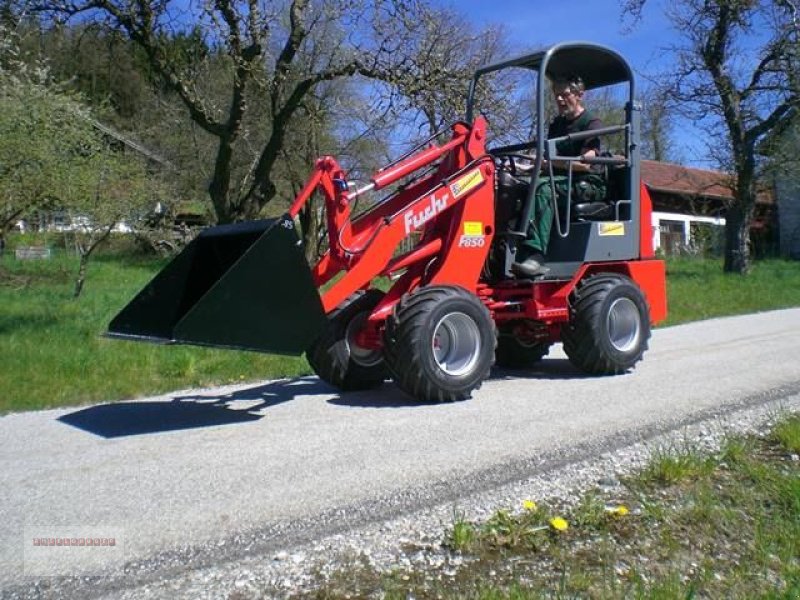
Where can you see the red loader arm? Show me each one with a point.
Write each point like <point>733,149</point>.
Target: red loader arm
<point>450,212</point>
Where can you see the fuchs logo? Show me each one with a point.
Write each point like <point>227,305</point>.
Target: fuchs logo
<point>416,220</point>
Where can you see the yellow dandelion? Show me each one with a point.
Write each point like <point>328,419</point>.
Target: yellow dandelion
<point>559,524</point>
<point>529,505</point>
<point>618,510</point>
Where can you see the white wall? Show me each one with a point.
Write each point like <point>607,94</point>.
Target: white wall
<point>658,217</point>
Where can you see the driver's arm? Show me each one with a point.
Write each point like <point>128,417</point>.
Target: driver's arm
<point>577,167</point>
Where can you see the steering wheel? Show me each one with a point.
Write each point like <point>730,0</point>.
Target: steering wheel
<point>516,162</point>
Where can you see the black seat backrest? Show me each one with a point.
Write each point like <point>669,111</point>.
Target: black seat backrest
<point>615,180</point>
<point>511,192</point>
<point>602,209</point>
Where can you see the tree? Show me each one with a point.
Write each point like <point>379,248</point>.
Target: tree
<point>657,122</point>
<point>53,156</point>
<point>736,74</point>
<point>284,53</point>
<point>40,129</point>
<point>442,58</point>
<point>115,189</point>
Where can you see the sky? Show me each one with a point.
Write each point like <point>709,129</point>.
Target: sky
<point>533,24</point>
<point>536,23</point>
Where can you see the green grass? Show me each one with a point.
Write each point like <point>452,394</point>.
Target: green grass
<point>54,355</point>
<point>675,464</point>
<point>721,526</point>
<point>787,434</point>
<point>698,289</point>
<point>461,534</point>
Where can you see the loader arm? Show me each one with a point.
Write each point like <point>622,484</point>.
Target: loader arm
<point>450,213</point>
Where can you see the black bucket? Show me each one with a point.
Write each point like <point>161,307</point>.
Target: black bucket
<point>245,286</point>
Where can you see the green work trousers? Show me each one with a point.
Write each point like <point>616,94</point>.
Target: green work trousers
<point>541,215</point>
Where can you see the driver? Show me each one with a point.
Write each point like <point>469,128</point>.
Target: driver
<point>572,118</point>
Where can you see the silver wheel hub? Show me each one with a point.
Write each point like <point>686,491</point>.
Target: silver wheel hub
<point>456,344</point>
<point>348,349</point>
<point>624,324</point>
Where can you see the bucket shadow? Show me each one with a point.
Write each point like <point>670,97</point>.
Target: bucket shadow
<point>190,411</point>
<point>264,396</point>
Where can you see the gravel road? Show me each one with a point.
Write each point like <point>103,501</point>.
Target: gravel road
<point>207,491</point>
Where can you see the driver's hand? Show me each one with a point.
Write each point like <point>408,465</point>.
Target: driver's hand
<point>525,168</point>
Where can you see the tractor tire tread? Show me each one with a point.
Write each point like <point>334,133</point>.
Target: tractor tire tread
<point>350,376</point>
<point>405,332</point>
<point>583,336</point>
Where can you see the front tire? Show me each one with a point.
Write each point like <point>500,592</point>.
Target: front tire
<point>336,357</point>
<point>440,343</point>
<point>609,327</point>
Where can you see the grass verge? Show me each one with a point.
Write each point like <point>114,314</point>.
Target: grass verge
<point>698,289</point>
<point>687,526</point>
<point>54,355</point>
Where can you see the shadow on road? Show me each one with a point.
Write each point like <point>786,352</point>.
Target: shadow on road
<point>386,396</point>
<point>190,411</point>
<point>549,368</point>
<point>245,405</point>
<point>390,396</point>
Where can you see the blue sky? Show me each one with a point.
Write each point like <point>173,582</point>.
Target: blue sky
<point>532,24</point>
<point>536,23</point>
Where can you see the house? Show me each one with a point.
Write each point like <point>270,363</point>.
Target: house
<point>787,191</point>
<point>780,149</point>
<point>689,207</point>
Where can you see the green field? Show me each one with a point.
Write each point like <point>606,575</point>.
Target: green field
<point>54,353</point>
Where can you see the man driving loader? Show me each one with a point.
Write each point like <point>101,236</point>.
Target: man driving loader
<point>587,184</point>
<point>441,237</point>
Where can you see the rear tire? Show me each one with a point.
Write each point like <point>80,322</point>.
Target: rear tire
<point>609,326</point>
<point>440,343</point>
<point>337,359</point>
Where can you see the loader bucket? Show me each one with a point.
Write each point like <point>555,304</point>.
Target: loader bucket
<point>245,286</point>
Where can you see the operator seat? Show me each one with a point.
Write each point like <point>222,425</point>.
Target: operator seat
<point>602,209</point>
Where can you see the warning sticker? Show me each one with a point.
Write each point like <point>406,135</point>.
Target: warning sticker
<point>466,182</point>
<point>611,228</point>
<point>473,228</point>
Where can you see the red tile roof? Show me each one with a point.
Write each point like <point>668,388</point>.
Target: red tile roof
<point>677,179</point>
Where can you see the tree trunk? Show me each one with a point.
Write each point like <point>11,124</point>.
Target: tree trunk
<point>81,278</point>
<point>310,228</point>
<point>220,187</point>
<point>739,218</point>
<point>737,239</point>
<point>85,252</point>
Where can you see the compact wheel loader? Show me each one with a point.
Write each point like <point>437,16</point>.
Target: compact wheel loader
<point>444,237</point>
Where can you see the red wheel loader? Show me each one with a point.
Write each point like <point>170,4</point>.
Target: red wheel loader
<point>445,236</point>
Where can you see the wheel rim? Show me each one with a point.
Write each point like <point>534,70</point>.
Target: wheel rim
<point>366,357</point>
<point>624,324</point>
<point>456,344</point>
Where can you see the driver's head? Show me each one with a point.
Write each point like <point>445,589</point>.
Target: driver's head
<point>568,92</point>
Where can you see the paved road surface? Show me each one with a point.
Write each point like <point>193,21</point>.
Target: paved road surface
<point>291,460</point>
